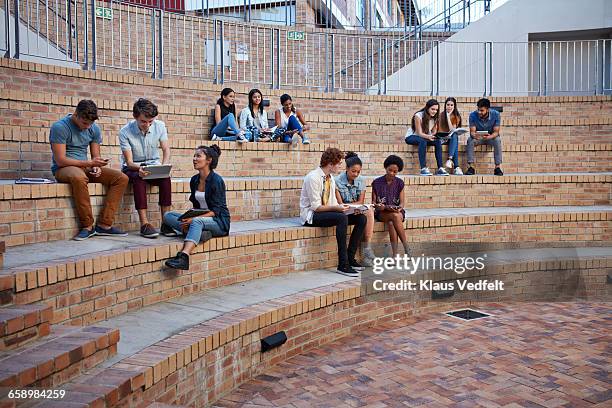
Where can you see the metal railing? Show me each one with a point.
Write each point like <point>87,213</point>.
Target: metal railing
<point>113,34</point>
<point>50,29</point>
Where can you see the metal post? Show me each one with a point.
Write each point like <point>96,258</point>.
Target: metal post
<point>597,61</point>
<point>246,17</point>
<point>420,25</point>
<point>444,11</point>
<point>93,35</point>
<point>85,35</point>
<point>7,29</point>
<point>16,15</point>
<point>485,69</point>
<point>410,15</point>
<point>153,44</point>
<point>215,45</point>
<point>432,73</point>
<point>437,67</point>
<point>545,76</point>
<point>69,23</point>
<point>406,17</point>
<point>272,59</point>
<point>385,67</point>
<point>463,13</point>
<point>286,13</point>
<point>367,63</point>
<point>278,60</point>
<point>333,65</point>
<point>222,51</point>
<point>379,65</point>
<point>490,68</point>
<point>207,10</point>
<point>327,62</point>
<point>160,44</point>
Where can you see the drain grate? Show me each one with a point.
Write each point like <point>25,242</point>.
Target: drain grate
<point>467,314</point>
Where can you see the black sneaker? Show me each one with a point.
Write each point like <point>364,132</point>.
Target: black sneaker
<point>167,231</point>
<point>149,231</point>
<point>356,265</point>
<point>84,234</point>
<point>470,171</point>
<point>498,172</point>
<point>110,232</point>
<point>180,261</point>
<point>347,270</point>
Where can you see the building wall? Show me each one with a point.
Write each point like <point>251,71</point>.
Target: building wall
<point>509,24</point>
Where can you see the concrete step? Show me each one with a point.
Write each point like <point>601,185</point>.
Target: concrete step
<point>23,323</point>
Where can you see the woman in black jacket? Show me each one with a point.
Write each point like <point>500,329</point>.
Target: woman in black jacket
<point>207,193</point>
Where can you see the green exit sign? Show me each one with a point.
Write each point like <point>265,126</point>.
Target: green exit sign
<point>296,35</point>
<point>103,12</point>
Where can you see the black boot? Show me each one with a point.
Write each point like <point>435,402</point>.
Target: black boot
<point>180,261</point>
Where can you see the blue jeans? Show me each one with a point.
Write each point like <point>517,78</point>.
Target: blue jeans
<point>196,227</point>
<point>453,148</point>
<point>292,124</point>
<point>221,129</point>
<point>423,143</point>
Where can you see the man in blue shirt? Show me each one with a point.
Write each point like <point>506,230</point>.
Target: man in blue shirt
<point>70,138</point>
<point>484,129</point>
<point>140,141</point>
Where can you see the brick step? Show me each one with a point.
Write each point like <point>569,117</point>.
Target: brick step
<point>105,277</point>
<point>23,323</point>
<point>53,361</point>
<point>278,159</point>
<point>38,97</point>
<point>40,213</point>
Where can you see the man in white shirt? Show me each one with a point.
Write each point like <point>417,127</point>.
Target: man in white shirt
<point>140,141</point>
<point>319,208</point>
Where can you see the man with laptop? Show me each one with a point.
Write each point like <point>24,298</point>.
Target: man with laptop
<point>484,129</point>
<point>140,141</point>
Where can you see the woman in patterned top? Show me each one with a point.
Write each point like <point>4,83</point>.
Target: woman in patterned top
<point>350,189</point>
<point>388,199</point>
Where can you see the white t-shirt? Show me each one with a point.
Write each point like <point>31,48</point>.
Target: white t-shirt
<point>201,197</point>
<point>432,123</point>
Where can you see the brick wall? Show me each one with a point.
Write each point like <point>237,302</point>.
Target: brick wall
<point>83,290</point>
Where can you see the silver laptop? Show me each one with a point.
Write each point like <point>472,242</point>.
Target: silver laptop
<point>157,171</point>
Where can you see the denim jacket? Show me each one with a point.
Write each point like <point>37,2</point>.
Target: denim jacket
<point>349,192</point>
<point>215,198</point>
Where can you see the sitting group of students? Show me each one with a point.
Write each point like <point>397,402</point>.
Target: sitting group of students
<point>324,200</point>
<point>140,140</point>
<point>430,127</point>
<point>252,125</point>
<point>328,201</point>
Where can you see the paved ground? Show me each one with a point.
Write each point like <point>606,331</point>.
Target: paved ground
<point>524,355</point>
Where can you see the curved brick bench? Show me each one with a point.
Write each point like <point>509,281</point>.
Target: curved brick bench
<point>39,213</point>
<point>103,277</point>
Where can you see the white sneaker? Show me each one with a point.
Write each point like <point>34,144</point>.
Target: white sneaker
<point>295,140</point>
<point>215,138</point>
<point>441,172</point>
<point>449,164</point>
<point>425,171</point>
<point>458,172</point>
<point>241,138</point>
